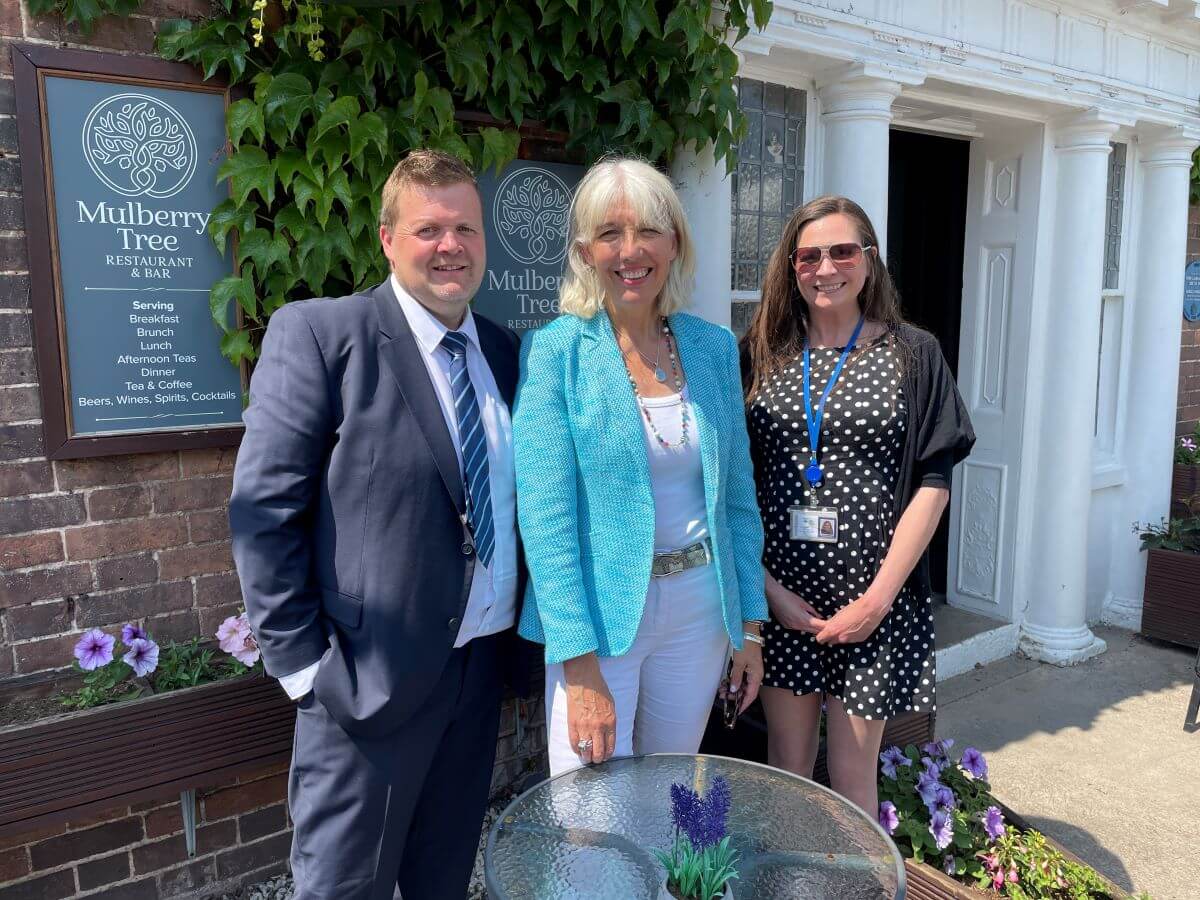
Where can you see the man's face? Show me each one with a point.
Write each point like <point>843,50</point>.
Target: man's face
<point>436,247</point>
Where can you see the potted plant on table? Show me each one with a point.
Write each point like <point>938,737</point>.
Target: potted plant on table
<point>700,864</point>
<point>1171,600</point>
<point>960,842</point>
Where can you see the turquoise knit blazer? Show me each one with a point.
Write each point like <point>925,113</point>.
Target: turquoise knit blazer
<point>584,501</point>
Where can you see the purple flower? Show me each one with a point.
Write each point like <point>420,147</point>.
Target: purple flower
<point>235,637</point>
<point>948,865</point>
<point>131,633</point>
<point>932,766</point>
<point>938,749</point>
<point>95,649</point>
<point>701,819</point>
<point>974,763</point>
<point>142,656</point>
<point>993,822</point>
<point>945,797</point>
<point>892,757</point>
<point>1187,443</point>
<point>888,817</point>
<point>941,826</point>
<point>927,787</point>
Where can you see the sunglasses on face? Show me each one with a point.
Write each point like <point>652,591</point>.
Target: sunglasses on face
<point>844,256</point>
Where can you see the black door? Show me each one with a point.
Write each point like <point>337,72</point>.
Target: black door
<point>927,213</point>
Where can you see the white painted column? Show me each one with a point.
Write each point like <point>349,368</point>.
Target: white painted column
<point>856,114</point>
<point>1165,156</point>
<point>1055,625</point>
<point>704,189</point>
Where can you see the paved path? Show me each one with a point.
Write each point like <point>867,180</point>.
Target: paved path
<point>1094,755</point>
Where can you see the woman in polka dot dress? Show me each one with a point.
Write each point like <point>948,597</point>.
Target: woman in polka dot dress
<point>848,520</point>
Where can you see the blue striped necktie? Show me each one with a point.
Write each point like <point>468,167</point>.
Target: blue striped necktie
<point>473,443</point>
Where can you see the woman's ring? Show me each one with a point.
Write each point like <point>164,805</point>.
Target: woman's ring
<point>585,744</point>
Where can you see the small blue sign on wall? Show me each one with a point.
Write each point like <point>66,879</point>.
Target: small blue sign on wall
<point>1191,292</point>
<point>526,209</point>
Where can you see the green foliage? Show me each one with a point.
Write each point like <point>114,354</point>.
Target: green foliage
<point>82,12</point>
<point>1182,535</point>
<point>1187,448</point>
<point>323,123</point>
<point>698,874</point>
<point>179,666</point>
<point>1042,872</point>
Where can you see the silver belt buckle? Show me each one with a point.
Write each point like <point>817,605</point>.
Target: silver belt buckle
<point>675,561</point>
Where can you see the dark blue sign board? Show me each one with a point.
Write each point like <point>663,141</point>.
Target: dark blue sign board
<point>129,188</point>
<point>1191,292</point>
<point>526,209</point>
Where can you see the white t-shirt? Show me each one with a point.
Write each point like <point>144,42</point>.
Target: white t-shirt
<point>676,474</point>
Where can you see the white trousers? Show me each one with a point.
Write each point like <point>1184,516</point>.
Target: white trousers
<point>663,688</point>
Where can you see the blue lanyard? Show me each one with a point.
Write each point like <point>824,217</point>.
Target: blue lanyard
<point>813,473</point>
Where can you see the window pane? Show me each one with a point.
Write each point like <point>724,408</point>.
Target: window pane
<point>770,174</point>
<point>1114,208</point>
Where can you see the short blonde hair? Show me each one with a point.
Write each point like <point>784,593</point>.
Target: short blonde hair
<point>422,168</point>
<point>650,194</point>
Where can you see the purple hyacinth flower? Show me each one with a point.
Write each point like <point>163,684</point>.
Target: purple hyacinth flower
<point>927,787</point>
<point>993,822</point>
<point>891,758</point>
<point>941,826</point>
<point>94,649</point>
<point>974,763</point>
<point>888,817</point>
<point>683,804</point>
<point>142,656</point>
<point>131,633</point>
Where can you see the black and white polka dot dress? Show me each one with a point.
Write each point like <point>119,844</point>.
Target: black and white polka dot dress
<point>862,438</point>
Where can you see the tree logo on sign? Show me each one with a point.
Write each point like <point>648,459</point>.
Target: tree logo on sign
<point>139,146</point>
<point>530,216</point>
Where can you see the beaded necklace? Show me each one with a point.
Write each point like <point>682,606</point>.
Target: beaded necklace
<point>677,375</point>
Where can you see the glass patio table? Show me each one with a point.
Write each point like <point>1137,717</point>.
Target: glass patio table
<point>589,834</point>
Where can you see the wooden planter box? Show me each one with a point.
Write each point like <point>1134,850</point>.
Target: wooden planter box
<point>61,768</point>
<point>1185,484</point>
<point>928,883</point>
<point>1171,600</point>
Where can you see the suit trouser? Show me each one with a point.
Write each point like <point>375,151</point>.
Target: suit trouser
<point>663,687</point>
<point>398,815</point>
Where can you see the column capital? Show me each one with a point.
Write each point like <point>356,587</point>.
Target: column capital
<point>1090,130</point>
<point>1167,145</point>
<point>863,90</point>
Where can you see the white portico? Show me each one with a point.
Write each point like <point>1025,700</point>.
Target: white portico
<point>1030,160</point>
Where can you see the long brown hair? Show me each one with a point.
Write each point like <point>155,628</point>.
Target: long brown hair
<point>777,331</point>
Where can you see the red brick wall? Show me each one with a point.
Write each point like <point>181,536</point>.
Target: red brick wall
<point>1189,351</point>
<point>98,542</point>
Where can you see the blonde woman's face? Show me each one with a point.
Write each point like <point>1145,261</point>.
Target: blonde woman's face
<point>632,259</point>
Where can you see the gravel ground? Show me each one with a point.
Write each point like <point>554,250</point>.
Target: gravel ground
<point>281,888</point>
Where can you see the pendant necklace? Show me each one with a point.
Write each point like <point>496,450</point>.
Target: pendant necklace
<point>659,375</point>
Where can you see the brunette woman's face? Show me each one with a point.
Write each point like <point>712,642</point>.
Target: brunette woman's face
<point>830,286</point>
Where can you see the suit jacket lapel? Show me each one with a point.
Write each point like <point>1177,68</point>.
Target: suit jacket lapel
<point>613,379</point>
<point>402,356</point>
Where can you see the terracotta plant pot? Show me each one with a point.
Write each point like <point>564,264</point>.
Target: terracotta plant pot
<point>67,766</point>
<point>1171,600</point>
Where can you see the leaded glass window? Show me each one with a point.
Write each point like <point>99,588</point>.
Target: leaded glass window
<point>769,180</point>
<point>1113,214</point>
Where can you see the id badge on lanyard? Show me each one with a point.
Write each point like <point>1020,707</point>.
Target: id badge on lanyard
<point>815,523</point>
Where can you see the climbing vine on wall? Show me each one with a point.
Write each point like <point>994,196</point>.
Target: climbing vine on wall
<point>336,92</point>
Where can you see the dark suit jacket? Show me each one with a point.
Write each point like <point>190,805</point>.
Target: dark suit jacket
<point>348,508</point>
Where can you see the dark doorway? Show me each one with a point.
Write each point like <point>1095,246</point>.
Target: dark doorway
<point>927,215</point>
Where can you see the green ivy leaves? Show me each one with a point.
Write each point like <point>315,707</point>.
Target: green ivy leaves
<point>312,141</point>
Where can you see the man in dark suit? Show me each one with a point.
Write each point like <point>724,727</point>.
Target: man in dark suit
<point>374,533</point>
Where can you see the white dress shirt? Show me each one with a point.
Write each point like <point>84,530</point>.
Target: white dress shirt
<point>492,603</point>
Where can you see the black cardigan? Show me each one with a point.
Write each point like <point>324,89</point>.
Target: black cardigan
<point>939,434</point>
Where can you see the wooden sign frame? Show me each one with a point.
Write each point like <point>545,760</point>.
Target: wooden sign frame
<point>31,65</point>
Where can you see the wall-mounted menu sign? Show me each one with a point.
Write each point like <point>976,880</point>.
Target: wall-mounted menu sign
<point>120,259</point>
<point>526,210</point>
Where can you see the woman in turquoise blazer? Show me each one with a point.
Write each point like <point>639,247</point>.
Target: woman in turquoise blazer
<point>635,492</point>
